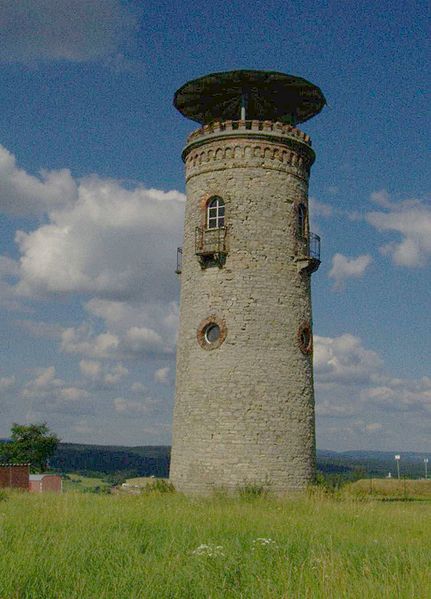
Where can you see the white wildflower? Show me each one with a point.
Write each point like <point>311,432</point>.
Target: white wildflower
<point>262,542</point>
<point>209,550</point>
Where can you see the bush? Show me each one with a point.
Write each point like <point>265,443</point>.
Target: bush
<point>159,485</point>
<point>252,491</point>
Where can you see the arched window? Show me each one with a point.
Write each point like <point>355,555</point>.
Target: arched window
<point>301,222</point>
<point>215,213</point>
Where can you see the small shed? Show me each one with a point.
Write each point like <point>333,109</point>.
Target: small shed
<point>14,476</point>
<point>43,483</point>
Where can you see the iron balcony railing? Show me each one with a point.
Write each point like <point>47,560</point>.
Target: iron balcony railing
<point>210,241</point>
<point>211,246</point>
<point>314,246</point>
<point>179,261</point>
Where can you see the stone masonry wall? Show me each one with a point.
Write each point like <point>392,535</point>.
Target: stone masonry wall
<point>244,412</point>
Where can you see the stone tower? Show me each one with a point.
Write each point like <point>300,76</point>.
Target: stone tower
<point>244,408</point>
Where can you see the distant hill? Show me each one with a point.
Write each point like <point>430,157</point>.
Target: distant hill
<point>150,460</point>
<point>372,463</point>
<point>153,460</point>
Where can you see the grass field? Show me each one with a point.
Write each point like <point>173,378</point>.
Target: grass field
<point>391,488</point>
<point>76,482</point>
<point>164,546</point>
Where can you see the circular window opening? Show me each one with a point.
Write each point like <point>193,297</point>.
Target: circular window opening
<point>305,339</point>
<point>212,333</point>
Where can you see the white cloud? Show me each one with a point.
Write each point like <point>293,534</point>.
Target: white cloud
<point>373,427</point>
<point>112,243</point>
<point>399,395</point>
<point>130,407</point>
<point>82,341</point>
<point>162,375</point>
<point>90,368</point>
<point>344,360</point>
<point>412,220</point>
<point>344,268</point>
<point>44,381</point>
<point>115,374</point>
<point>101,373</point>
<point>138,388</point>
<point>24,194</point>
<point>318,208</point>
<point>48,393</point>
<point>142,328</point>
<point>72,30</point>
<point>381,198</point>
<point>358,403</point>
<point>140,340</point>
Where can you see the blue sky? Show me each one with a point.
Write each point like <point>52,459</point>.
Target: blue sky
<point>92,198</point>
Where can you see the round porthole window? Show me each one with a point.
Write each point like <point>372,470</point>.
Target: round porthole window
<point>305,339</point>
<point>211,333</point>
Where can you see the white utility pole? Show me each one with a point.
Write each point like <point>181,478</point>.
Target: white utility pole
<point>397,459</point>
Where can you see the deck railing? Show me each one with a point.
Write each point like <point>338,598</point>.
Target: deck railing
<point>179,261</point>
<point>263,126</point>
<point>314,246</point>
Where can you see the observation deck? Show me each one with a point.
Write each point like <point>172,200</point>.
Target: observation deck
<point>249,94</point>
<point>266,130</point>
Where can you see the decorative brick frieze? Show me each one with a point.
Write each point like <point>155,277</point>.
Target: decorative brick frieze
<point>244,150</point>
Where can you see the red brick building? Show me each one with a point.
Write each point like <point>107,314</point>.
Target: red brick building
<point>42,483</point>
<point>15,476</point>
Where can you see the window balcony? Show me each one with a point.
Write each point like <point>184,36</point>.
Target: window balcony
<point>211,246</point>
<point>179,261</point>
<point>310,260</point>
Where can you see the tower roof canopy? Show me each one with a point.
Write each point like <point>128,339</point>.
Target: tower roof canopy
<point>264,95</point>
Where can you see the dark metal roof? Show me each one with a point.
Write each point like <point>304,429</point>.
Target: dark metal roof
<point>269,95</point>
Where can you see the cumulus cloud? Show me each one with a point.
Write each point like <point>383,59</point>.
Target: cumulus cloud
<point>133,342</point>
<point>162,375</point>
<point>44,381</point>
<point>82,341</point>
<point>318,208</point>
<point>72,30</point>
<point>24,194</point>
<point>400,395</point>
<point>356,398</point>
<point>103,374</point>
<point>112,243</point>
<point>344,359</point>
<point>108,244</point>
<point>131,407</point>
<point>344,268</point>
<point>138,388</point>
<point>411,219</point>
<point>48,393</point>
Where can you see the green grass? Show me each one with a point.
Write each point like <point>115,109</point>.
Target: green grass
<point>406,489</point>
<point>82,546</point>
<point>76,482</point>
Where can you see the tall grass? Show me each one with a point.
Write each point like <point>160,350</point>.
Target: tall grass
<point>164,546</point>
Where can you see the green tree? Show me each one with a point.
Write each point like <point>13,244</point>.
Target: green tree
<point>33,444</point>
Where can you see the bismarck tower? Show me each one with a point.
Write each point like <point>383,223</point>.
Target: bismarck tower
<point>244,408</point>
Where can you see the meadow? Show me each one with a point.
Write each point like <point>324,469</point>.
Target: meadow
<point>165,546</point>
